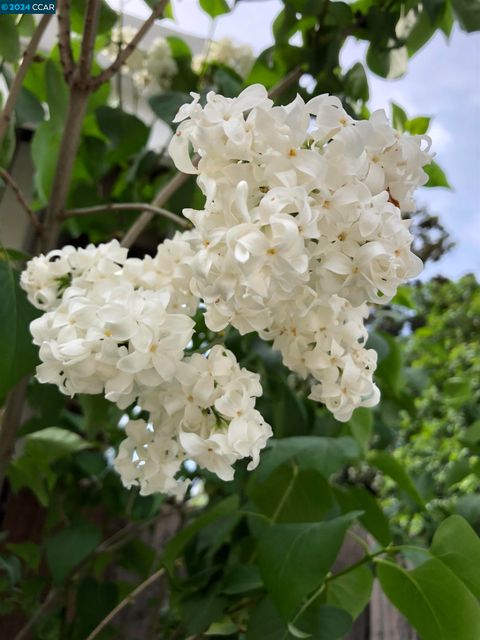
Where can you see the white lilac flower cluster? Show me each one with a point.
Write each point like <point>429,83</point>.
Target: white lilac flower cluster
<point>120,327</point>
<point>302,227</point>
<point>207,414</point>
<point>225,51</point>
<point>153,69</point>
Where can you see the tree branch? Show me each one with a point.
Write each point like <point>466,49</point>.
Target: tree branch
<point>179,179</point>
<point>47,603</point>
<point>28,56</point>
<point>162,196</point>
<point>10,421</point>
<point>88,42</point>
<point>8,179</point>
<point>127,206</point>
<point>65,41</point>
<point>286,82</point>
<point>125,602</point>
<point>125,53</point>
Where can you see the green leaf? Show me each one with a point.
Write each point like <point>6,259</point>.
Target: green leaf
<point>214,8</point>
<point>29,552</point>
<point>351,591</point>
<point>293,495</point>
<point>57,94</point>
<point>28,109</point>
<point>390,367</point>
<point>26,25</point>
<point>94,600</point>
<point>361,425</point>
<point>242,578</point>
<point>468,14</point>
<point>166,104</point>
<point>436,176</point>
<point>176,545</point>
<point>59,441</point>
<point>356,83</point>
<point>33,468</point>
<point>399,117</point>
<point>372,518</point>
<point>325,622</point>
<point>295,558</point>
<point>201,610</point>
<point>457,545</point>
<point>45,146</point>
<point>9,38</point>
<point>326,455</point>
<point>265,623</point>
<point>391,467</point>
<point>387,63</point>
<point>68,548</point>
<point>417,126</point>
<point>433,600</point>
<point>127,134</point>
<point>228,82</point>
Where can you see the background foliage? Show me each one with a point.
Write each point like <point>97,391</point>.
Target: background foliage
<point>257,558</point>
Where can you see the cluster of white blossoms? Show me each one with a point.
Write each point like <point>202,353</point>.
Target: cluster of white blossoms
<point>225,51</point>
<point>302,227</point>
<point>207,414</point>
<point>153,69</point>
<point>122,327</point>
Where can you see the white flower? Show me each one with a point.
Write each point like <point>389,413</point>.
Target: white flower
<point>238,57</point>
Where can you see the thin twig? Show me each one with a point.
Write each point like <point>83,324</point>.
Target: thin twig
<point>8,179</point>
<point>65,40</point>
<point>125,53</point>
<point>125,602</point>
<point>163,195</point>
<point>127,206</point>
<point>28,56</point>
<point>49,600</point>
<point>286,82</point>
<point>88,41</point>
<point>179,179</point>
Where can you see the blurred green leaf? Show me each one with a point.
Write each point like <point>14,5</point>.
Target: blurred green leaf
<point>241,579</point>
<point>177,544</point>
<point>326,455</point>
<point>394,469</point>
<point>166,104</point>
<point>28,109</point>
<point>351,591</point>
<point>399,117</point>
<point>356,83</point>
<point>387,63</point>
<point>214,8</point>
<point>295,558</point>
<point>303,495</point>
<point>457,545</point>
<point>57,94</point>
<point>436,176</point>
<point>432,599</point>
<point>418,125</point>
<point>9,38</point>
<point>69,547</point>
<point>126,133</point>
<point>468,14</point>
<point>325,622</point>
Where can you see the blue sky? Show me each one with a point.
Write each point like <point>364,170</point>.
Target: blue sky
<point>443,81</point>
